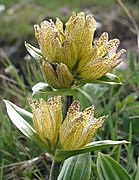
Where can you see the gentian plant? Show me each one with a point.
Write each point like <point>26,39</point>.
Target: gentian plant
<point>69,58</point>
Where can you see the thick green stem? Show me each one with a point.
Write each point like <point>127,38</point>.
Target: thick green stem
<point>54,172</point>
<point>68,102</point>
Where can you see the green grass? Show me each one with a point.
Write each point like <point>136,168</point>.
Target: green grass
<point>34,11</point>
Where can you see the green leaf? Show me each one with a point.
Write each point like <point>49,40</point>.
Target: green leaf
<point>16,115</point>
<point>108,78</point>
<point>25,114</point>
<point>111,79</point>
<point>132,62</point>
<point>44,88</point>
<point>137,174</point>
<point>93,146</point>
<point>110,169</point>
<point>86,94</point>
<point>34,52</point>
<point>41,88</point>
<point>77,167</point>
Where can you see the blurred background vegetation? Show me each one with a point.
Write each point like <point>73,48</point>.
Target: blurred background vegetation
<point>19,72</point>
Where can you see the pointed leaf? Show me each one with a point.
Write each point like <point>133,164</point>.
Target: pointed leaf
<point>110,169</point>
<point>41,88</point>
<point>111,79</point>
<point>108,78</point>
<point>34,52</point>
<point>93,146</point>
<point>77,167</point>
<point>44,88</point>
<point>16,115</point>
<point>25,114</point>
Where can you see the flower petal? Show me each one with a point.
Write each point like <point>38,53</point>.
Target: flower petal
<point>90,130</point>
<point>78,126</point>
<point>56,75</point>
<point>70,125</point>
<point>47,118</point>
<point>98,69</point>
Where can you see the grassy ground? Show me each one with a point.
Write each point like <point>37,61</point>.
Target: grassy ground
<point>121,103</point>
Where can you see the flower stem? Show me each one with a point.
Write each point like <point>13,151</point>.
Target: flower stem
<point>69,100</point>
<point>54,172</point>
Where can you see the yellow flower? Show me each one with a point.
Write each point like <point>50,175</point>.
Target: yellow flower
<point>71,47</point>
<point>66,45</point>
<point>47,118</point>
<point>56,75</point>
<point>78,128</point>
<point>101,59</point>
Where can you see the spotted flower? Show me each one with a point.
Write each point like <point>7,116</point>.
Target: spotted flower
<point>47,118</point>
<point>74,132</point>
<point>101,59</point>
<point>78,127</point>
<point>70,56</point>
<point>68,45</point>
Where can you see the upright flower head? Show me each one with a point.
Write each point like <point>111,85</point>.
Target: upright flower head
<point>101,59</point>
<point>69,44</point>
<point>76,130</point>
<point>47,118</point>
<point>69,55</point>
<point>78,127</point>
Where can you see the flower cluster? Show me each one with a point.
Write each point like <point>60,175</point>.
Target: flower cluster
<point>74,132</point>
<point>69,57</point>
<point>69,53</point>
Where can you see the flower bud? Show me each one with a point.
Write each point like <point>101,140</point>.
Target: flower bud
<point>56,75</point>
